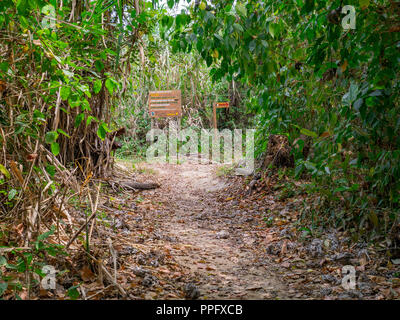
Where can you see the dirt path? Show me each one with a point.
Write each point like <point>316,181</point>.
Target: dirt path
<point>216,243</point>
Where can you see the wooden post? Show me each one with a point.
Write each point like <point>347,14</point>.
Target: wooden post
<point>215,115</point>
<point>218,105</point>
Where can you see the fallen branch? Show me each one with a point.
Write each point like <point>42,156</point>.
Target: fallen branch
<point>139,185</point>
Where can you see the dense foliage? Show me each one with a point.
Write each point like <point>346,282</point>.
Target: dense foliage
<point>309,75</point>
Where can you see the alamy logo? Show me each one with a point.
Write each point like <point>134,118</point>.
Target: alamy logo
<point>349,21</point>
<point>224,146</point>
<point>49,281</point>
<point>349,279</point>
<point>49,22</point>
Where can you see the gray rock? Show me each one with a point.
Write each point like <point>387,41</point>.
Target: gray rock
<point>222,234</point>
<point>243,172</point>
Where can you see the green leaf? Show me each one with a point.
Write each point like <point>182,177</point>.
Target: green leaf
<point>357,105</point>
<point>51,137</point>
<point>171,3</point>
<point>37,115</point>
<point>110,86</point>
<point>99,65</point>
<point>241,9</point>
<point>364,3</point>
<point>3,287</point>
<point>238,27</point>
<point>3,261</point>
<point>55,148</point>
<point>68,74</point>
<point>51,170</point>
<point>73,293</point>
<point>4,66</point>
<point>298,170</point>
<point>97,86</point>
<point>272,28</point>
<point>63,133</point>
<point>101,132</point>
<point>4,171</point>
<point>89,120</point>
<point>12,194</point>
<point>47,234</point>
<point>308,133</point>
<point>310,166</point>
<point>65,91</point>
<point>78,120</point>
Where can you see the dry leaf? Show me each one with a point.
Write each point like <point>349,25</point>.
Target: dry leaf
<point>87,274</point>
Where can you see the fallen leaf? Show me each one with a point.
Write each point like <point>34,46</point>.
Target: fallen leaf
<point>87,274</point>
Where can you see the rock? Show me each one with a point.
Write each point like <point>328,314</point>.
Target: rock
<point>244,172</point>
<point>223,234</point>
<point>191,291</point>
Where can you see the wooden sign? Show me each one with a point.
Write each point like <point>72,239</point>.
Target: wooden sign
<point>165,104</point>
<point>218,105</point>
<point>222,105</point>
